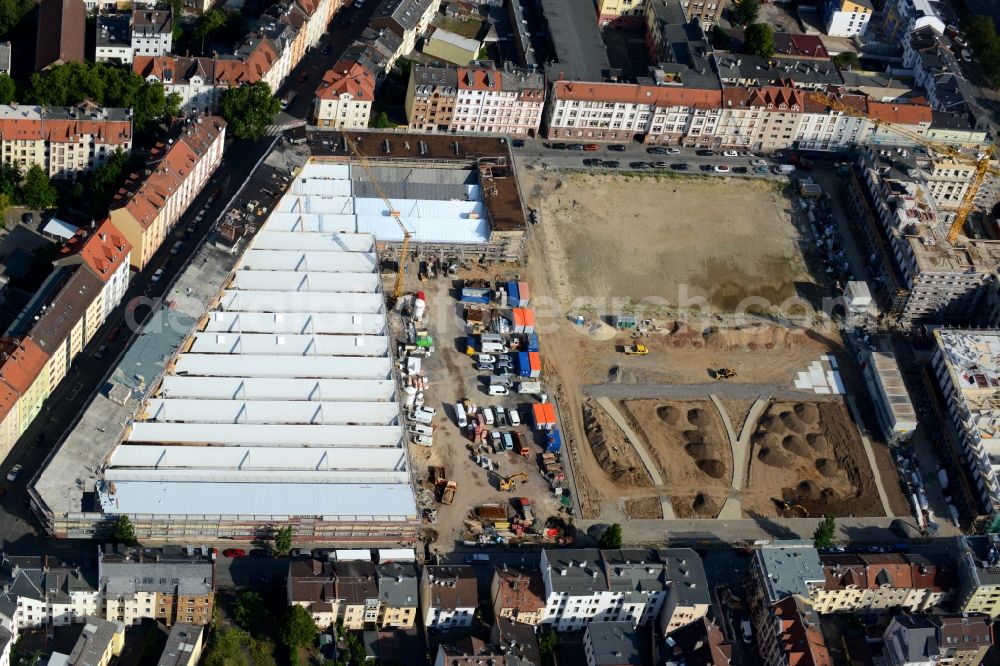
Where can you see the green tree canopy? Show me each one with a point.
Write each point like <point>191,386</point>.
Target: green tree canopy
<point>10,179</point>
<point>825,532</point>
<point>283,539</point>
<point>249,109</point>
<point>37,191</point>
<point>847,60</point>
<point>982,36</point>
<point>298,629</point>
<point>249,609</point>
<point>208,23</point>
<point>122,531</point>
<point>758,39</point>
<point>8,91</point>
<point>612,537</point>
<point>547,642</point>
<point>11,13</point>
<point>746,11</point>
<point>720,38</point>
<point>381,121</point>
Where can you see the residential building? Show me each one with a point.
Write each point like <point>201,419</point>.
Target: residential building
<point>901,17</point>
<point>193,79</point>
<point>575,50</point>
<point>518,594</point>
<point>344,98</point>
<point>784,572</point>
<point>788,71</point>
<point>978,561</point>
<point>44,592</point>
<point>471,652</point>
<point>147,208</point>
<point>164,585</point>
<point>312,585</point>
<point>576,589</point>
<point>620,13</point>
<point>152,32</point>
<point>99,643</point>
<point>113,38</point>
<point>8,628</point>
<point>5,58</point>
<point>698,642</point>
<point>407,18</point>
<point>381,46</point>
<point>64,141</point>
<point>517,641</point>
<point>857,583</point>
<point>761,119</point>
<point>61,33</point>
<point>687,598</point>
<point>789,633</point>
<point>106,252</point>
<point>398,594</point>
<point>184,645</point>
<point>23,388</point>
<point>477,98</point>
<point>611,644</point>
<point>845,18</point>
<point>448,596</point>
<point>357,591</point>
<point>706,12</point>
<point>922,640</point>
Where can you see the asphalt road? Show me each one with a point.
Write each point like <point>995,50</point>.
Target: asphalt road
<point>19,530</point>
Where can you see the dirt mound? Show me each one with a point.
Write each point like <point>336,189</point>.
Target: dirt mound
<point>669,415</point>
<point>645,507</point>
<point>616,457</point>
<point>698,451</point>
<point>762,336</point>
<point>818,442</point>
<point>772,457</point>
<point>693,437</point>
<point>828,468</point>
<point>807,490</point>
<point>702,504</point>
<point>795,444</point>
<point>793,423</point>
<point>681,336</point>
<point>808,412</point>
<point>714,468</point>
<point>698,418</point>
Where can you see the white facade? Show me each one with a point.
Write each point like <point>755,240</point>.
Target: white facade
<point>115,288</point>
<point>846,19</point>
<point>448,618</point>
<point>49,611</point>
<point>151,42</point>
<point>8,637</point>
<point>110,52</point>
<point>497,111</point>
<point>343,111</point>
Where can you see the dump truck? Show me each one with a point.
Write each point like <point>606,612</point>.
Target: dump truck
<point>636,350</point>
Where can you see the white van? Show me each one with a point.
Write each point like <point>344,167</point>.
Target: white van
<point>488,415</point>
<point>422,415</point>
<point>747,632</point>
<point>420,429</point>
<point>460,415</point>
<point>423,440</point>
<point>498,390</point>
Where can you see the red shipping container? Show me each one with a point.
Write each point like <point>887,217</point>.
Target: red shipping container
<point>550,414</point>
<point>535,363</point>
<point>517,314</point>
<point>538,415</point>
<point>523,294</point>
<point>529,321</point>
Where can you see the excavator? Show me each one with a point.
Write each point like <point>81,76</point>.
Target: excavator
<point>724,373</point>
<point>509,483</point>
<point>785,505</point>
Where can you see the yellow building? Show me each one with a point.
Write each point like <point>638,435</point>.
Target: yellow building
<point>23,370</point>
<point>100,642</point>
<point>620,13</point>
<point>398,592</point>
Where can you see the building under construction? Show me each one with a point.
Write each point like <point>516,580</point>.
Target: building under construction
<point>918,276</point>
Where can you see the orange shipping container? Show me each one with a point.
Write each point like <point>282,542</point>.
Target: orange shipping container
<point>529,320</point>
<point>535,363</point>
<point>518,317</point>
<point>538,415</point>
<point>550,413</point>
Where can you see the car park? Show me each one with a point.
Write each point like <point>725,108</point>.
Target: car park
<point>157,275</point>
<point>616,148</point>
<point>486,358</point>
<point>731,153</point>
<point>508,442</point>
<point>14,471</point>
<point>612,164</point>
<point>501,417</point>
<point>495,440</point>
<point>705,153</point>
<point>592,162</point>
<point>559,146</point>
<point>722,168</point>
<point>234,553</point>
<point>679,166</point>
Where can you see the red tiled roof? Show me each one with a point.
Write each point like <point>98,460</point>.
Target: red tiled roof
<point>627,93</point>
<point>356,80</point>
<point>21,361</point>
<point>808,46</point>
<point>521,590</point>
<point>904,114</point>
<point>801,640</point>
<point>103,250</point>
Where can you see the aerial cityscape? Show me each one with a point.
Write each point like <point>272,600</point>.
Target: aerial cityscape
<point>499,332</point>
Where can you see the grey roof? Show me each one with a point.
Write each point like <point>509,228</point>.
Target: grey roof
<point>684,49</point>
<point>397,584</point>
<point>180,644</point>
<point>579,572</point>
<point>165,571</point>
<point>42,578</point>
<point>517,641</point>
<point>444,77</point>
<point>5,56</point>
<point>148,22</point>
<point>406,13</point>
<point>686,573</point>
<point>5,639</point>
<point>788,567</point>
<point>635,571</point>
<point>613,643</point>
<point>765,71</point>
<point>94,641</point>
<point>577,45</point>
<point>982,557</point>
<point>113,30</point>
<point>913,636</point>
<point>355,581</point>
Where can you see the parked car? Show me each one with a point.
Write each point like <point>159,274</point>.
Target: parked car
<point>575,146</point>
<point>704,167</point>
<point>175,250</point>
<point>591,147</point>
<point>303,77</point>
<point>498,390</point>
<point>514,417</point>
<point>234,553</point>
<point>157,275</point>
<point>260,552</point>
<point>705,153</point>
<point>593,162</point>
<point>486,358</point>
<point>460,418</point>
<point>501,417</point>
<point>518,143</point>
<point>740,169</point>
<point>101,351</point>
<point>758,162</point>
<point>559,146</point>
<point>114,333</point>
<point>661,165</point>
<point>616,148</point>
<point>485,367</point>
<point>680,166</point>
<point>14,471</point>
<point>722,168</point>
<point>612,164</point>
<point>495,440</point>
<point>637,165</point>
<point>731,153</point>
<point>657,150</point>
<point>27,218</point>
<point>488,416</point>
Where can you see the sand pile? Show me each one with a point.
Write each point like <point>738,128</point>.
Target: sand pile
<point>681,336</point>
<point>761,336</point>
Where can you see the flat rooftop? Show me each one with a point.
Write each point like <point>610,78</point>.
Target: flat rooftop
<point>580,54</point>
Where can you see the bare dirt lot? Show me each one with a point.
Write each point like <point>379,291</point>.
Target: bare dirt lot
<point>809,454</point>
<point>677,238</point>
<point>688,441</point>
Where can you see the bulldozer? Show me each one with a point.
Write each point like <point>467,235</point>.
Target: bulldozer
<point>724,373</point>
<point>509,483</point>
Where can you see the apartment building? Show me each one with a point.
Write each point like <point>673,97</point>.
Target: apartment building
<point>617,14</point>
<point>880,582</point>
<point>23,388</point>
<point>43,592</point>
<point>448,596</point>
<point>193,79</point>
<point>61,35</point>
<point>780,571</point>
<point>930,640</point>
<point>699,642</point>
<point>152,32</point>
<point>398,594</point>
<point>166,585</point>
<point>106,252</point>
<point>923,277</point>
<point>846,18</point>
<point>518,594</point>
<point>99,643</point>
<point>112,38</point>
<point>8,628</point>
<point>978,563</point>
<point>901,17</point>
<point>184,645</point>
<point>312,585</point>
<point>789,633</point>
<point>344,97</point>
<point>409,19</point>
<point>64,141</point>
<point>611,644</point>
<point>357,593</point>
<point>147,209</point>
<point>477,98</point>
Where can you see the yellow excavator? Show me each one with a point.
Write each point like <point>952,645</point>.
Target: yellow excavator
<point>509,483</point>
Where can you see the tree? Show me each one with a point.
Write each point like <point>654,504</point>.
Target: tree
<point>746,11</point>
<point>381,121</point>
<point>248,609</point>
<point>982,36</point>
<point>225,648</point>
<point>720,38</point>
<point>249,109</point>
<point>37,191</point>
<point>283,539</point>
<point>547,642</point>
<point>612,537</point>
<point>298,629</point>
<point>10,180</point>
<point>8,91</point>
<point>122,530</point>
<point>825,531</point>
<point>758,39</point>
<point>847,60</point>
<point>354,651</point>
<point>105,180</point>
<point>11,13</point>
<point>208,23</point>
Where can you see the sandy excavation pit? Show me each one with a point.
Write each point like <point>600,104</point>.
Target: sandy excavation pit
<point>688,441</point>
<point>810,455</point>
<point>613,452</point>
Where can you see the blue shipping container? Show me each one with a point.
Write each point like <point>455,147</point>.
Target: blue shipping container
<point>554,442</point>
<point>523,365</point>
<point>472,297</point>
<point>532,342</point>
<point>513,297</point>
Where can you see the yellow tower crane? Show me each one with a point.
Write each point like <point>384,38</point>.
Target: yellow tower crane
<point>397,289</point>
<point>981,162</point>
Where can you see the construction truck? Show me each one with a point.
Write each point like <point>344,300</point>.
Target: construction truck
<point>447,491</point>
<point>724,373</point>
<point>636,350</point>
<point>509,483</point>
<point>786,505</point>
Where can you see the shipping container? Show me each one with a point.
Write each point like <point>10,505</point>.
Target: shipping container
<point>475,296</point>
<point>517,318</point>
<point>538,416</point>
<point>550,414</point>
<point>513,299</point>
<point>553,442</point>
<point>532,344</point>
<point>529,321</point>
<point>470,345</point>
<point>534,365</point>
<point>523,294</point>
<point>523,364</point>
